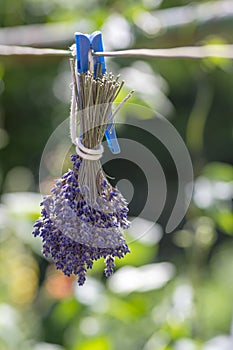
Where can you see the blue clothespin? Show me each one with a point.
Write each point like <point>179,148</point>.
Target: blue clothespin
<point>85,43</point>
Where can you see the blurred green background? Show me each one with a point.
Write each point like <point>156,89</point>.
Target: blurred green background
<point>174,291</point>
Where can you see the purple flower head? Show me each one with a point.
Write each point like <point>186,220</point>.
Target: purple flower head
<point>76,232</point>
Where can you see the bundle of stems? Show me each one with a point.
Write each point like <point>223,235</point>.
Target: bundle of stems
<point>93,97</point>
<point>84,217</point>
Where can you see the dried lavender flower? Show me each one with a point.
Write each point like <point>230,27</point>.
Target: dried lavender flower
<point>75,234</point>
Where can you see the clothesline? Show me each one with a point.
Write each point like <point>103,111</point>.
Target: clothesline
<point>195,52</point>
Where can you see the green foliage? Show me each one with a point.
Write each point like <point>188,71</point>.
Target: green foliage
<point>40,309</point>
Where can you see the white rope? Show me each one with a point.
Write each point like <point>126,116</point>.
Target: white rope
<point>73,107</point>
<point>91,61</point>
<point>73,121</point>
<point>88,153</point>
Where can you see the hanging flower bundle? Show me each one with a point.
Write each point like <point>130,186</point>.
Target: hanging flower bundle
<point>83,218</point>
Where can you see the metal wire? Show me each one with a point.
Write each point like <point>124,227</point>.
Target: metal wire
<point>12,50</point>
<point>195,52</point>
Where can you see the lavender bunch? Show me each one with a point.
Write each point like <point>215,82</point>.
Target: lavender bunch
<point>84,217</point>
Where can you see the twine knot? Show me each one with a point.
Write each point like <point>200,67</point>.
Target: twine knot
<point>88,153</point>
